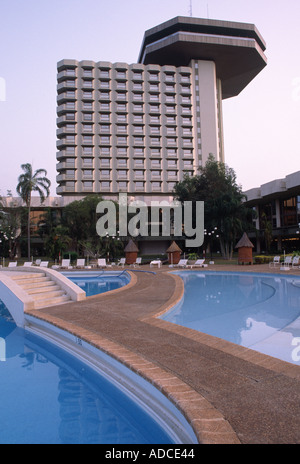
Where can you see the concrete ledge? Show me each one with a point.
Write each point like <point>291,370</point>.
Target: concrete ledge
<point>71,289</point>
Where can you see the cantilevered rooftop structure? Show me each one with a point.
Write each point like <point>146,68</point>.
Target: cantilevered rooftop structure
<point>138,128</point>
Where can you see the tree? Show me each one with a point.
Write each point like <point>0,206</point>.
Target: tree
<point>223,198</point>
<point>29,182</point>
<point>9,227</point>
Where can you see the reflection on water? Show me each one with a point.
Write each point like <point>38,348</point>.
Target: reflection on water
<point>47,396</point>
<point>245,309</point>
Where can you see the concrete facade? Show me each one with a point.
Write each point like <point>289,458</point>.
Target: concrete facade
<point>277,204</point>
<point>139,128</point>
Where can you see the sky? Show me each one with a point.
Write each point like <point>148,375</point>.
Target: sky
<point>261,125</point>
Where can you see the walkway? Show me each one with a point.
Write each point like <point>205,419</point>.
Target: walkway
<point>229,393</point>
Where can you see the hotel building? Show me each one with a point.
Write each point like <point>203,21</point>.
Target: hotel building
<point>138,128</point>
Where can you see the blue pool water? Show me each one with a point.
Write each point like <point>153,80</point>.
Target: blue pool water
<point>94,283</point>
<point>257,311</point>
<point>49,397</point>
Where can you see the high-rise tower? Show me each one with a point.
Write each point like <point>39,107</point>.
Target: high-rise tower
<point>139,128</point>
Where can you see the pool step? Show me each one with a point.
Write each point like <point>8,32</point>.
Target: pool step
<point>44,291</point>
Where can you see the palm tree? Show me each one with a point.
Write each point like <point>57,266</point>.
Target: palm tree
<point>28,183</point>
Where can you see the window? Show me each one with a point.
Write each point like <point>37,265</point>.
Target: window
<point>155,163</point>
<point>87,172</point>
<point>155,174</point>
<point>70,105</point>
<point>88,105</point>
<point>87,116</point>
<point>88,162</point>
<point>139,185</point>
<point>104,117</point>
<point>104,95</point>
<point>104,127</point>
<point>70,150</point>
<point>105,162</point>
<point>138,140</point>
<point>121,107</point>
<point>172,174</point>
<point>87,139</point>
<point>104,173</point>
<point>86,94</point>
<point>104,106</point>
<point>139,174</point>
<point>87,72</point>
<point>70,116</point>
<point>105,185</point>
<point>122,151</point>
<point>87,84</point>
<point>70,72</point>
<point>104,139</point>
<point>122,162</point>
<point>104,151</point>
<point>87,150</point>
<point>87,128</point>
<point>172,163</point>
<point>87,184</point>
<point>122,139</point>
<point>104,73</point>
<point>121,128</point>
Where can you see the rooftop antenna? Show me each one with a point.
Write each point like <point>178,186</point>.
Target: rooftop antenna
<point>191,8</point>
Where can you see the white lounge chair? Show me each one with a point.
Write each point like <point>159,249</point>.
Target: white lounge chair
<point>13,264</point>
<point>181,263</point>
<point>65,264</point>
<point>199,263</point>
<point>122,262</point>
<point>295,262</point>
<point>276,260</point>
<point>80,263</point>
<point>44,263</point>
<point>101,262</point>
<point>138,261</point>
<point>287,261</point>
<point>27,264</point>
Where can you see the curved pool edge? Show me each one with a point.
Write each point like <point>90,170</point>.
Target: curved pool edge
<point>123,368</point>
<point>246,354</point>
<point>207,423</point>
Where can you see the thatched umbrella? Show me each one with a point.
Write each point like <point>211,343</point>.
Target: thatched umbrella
<point>174,253</point>
<point>131,252</point>
<point>245,246</point>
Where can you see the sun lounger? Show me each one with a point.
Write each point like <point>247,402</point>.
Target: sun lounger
<point>181,263</point>
<point>80,263</point>
<point>13,264</point>
<point>295,262</point>
<point>156,262</point>
<point>101,262</point>
<point>199,263</point>
<point>44,263</point>
<point>65,264</point>
<point>27,264</point>
<point>276,260</point>
<point>138,261</point>
<point>287,262</point>
<point>122,262</point>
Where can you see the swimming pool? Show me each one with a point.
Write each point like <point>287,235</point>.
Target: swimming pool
<point>49,396</point>
<point>258,311</point>
<point>94,283</point>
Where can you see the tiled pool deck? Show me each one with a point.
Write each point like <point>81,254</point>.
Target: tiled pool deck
<point>229,394</point>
